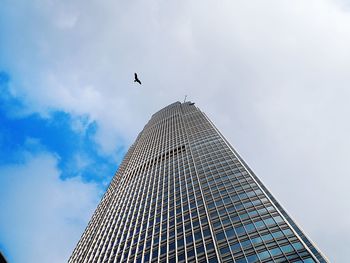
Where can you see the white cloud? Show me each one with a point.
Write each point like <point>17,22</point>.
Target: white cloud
<point>273,75</point>
<point>42,216</point>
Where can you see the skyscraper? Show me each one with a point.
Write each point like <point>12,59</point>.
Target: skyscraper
<point>183,194</point>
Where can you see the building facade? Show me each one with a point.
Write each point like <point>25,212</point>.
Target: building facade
<point>183,194</point>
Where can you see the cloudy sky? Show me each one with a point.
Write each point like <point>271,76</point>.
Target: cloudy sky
<point>272,75</point>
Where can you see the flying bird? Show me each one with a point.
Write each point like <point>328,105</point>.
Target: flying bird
<point>137,79</point>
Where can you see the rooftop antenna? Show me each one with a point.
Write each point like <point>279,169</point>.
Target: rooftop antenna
<point>185,98</point>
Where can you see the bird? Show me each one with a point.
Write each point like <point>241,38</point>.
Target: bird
<point>136,79</point>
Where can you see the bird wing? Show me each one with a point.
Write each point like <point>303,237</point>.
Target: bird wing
<point>137,79</point>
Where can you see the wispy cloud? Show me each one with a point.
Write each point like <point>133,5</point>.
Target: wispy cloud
<point>43,216</point>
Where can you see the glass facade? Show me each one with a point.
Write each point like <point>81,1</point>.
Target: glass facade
<point>183,194</point>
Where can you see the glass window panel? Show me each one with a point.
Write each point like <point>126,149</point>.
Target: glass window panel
<point>240,230</point>
<point>235,247</point>
<point>224,250</point>
<point>230,233</point>
<point>220,236</point>
<point>250,227</point>
<point>264,255</point>
<point>241,260</point>
<point>287,249</point>
<point>298,246</point>
<point>252,258</point>
<point>308,260</point>
<point>275,252</point>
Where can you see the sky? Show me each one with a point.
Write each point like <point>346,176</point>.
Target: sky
<point>272,75</point>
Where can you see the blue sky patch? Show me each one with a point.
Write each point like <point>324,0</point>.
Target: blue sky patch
<point>76,150</point>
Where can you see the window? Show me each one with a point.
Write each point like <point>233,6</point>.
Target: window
<point>224,250</point>
<point>252,258</point>
<point>308,260</point>
<point>163,250</point>
<point>180,242</point>
<point>287,249</point>
<point>189,239</point>
<point>267,237</point>
<point>256,240</point>
<point>230,233</point>
<point>146,257</point>
<point>275,252</point>
<point>235,247</point>
<point>298,246</point>
<point>197,235</point>
<point>190,253</point>
<point>277,234</point>
<point>172,246</point>
<point>264,255</point>
<point>240,230</point>
<point>250,227</point>
<point>181,256</point>
<point>200,249</point>
<point>269,221</point>
<point>206,233</point>
<point>287,232</point>
<point>213,260</point>
<point>278,219</point>
<point>259,224</point>
<point>242,260</point>
<point>246,243</point>
<point>220,236</point>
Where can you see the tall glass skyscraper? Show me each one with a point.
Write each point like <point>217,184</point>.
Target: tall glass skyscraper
<point>183,194</point>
